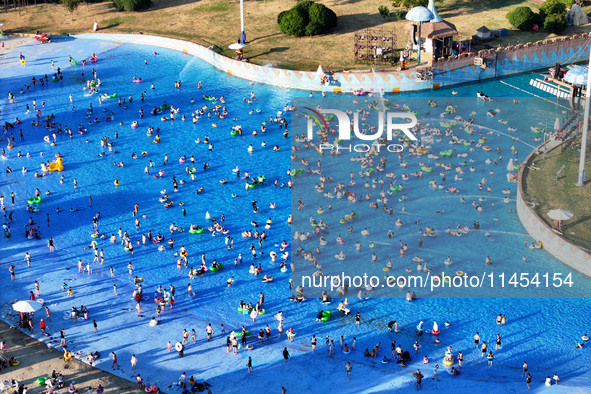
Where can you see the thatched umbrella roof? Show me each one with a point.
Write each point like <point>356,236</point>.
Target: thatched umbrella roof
<point>434,30</point>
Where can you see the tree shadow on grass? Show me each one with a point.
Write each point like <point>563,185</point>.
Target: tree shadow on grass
<point>351,23</point>
<point>263,37</point>
<point>160,5</point>
<point>271,50</point>
<point>451,9</point>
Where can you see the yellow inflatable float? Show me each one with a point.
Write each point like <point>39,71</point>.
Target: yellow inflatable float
<point>56,165</point>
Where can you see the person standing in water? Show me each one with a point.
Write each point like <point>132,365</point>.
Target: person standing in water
<point>528,381</point>
<point>348,369</point>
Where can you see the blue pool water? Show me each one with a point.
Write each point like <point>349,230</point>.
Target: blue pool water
<point>532,332</point>
<point>501,235</point>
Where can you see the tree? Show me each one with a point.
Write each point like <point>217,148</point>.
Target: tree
<point>522,18</point>
<point>293,23</point>
<point>408,4</point>
<point>132,5</point>
<point>384,11</point>
<point>306,18</point>
<point>551,7</point>
<point>322,16</point>
<point>555,23</point>
<point>71,6</point>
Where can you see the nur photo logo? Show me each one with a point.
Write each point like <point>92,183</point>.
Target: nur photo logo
<point>394,122</point>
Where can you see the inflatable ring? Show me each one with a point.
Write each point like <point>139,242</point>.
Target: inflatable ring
<point>419,328</point>
<point>326,315</point>
<point>34,200</point>
<point>15,363</point>
<point>68,355</point>
<point>460,273</point>
<point>41,381</point>
<point>214,269</point>
<point>435,332</point>
<point>448,362</point>
<point>584,338</point>
<point>489,358</point>
<point>238,334</point>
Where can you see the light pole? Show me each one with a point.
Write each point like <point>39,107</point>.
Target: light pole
<point>581,181</point>
<point>242,33</point>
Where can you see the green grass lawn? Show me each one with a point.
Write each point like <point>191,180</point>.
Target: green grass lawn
<point>217,23</point>
<point>548,194</point>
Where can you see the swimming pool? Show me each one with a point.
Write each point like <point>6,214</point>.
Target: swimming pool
<point>528,331</point>
<point>475,177</point>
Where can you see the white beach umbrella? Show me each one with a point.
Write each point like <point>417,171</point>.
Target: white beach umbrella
<point>577,75</point>
<point>237,46</point>
<point>27,306</point>
<point>560,214</point>
<point>320,71</point>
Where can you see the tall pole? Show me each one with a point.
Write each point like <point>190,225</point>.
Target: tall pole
<point>581,181</point>
<point>242,33</point>
<point>419,51</point>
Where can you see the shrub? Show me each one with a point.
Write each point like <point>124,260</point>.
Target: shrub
<point>306,18</point>
<point>384,11</point>
<point>280,16</point>
<point>294,23</point>
<point>304,6</point>
<point>551,7</point>
<point>132,5</point>
<point>568,3</point>
<point>323,16</point>
<point>71,5</point>
<point>555,23</point>
<point>522,18</point>
<point>415,3</point>
<point>400,15</point>
<point>538,20</point>
<point>408,4</point>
